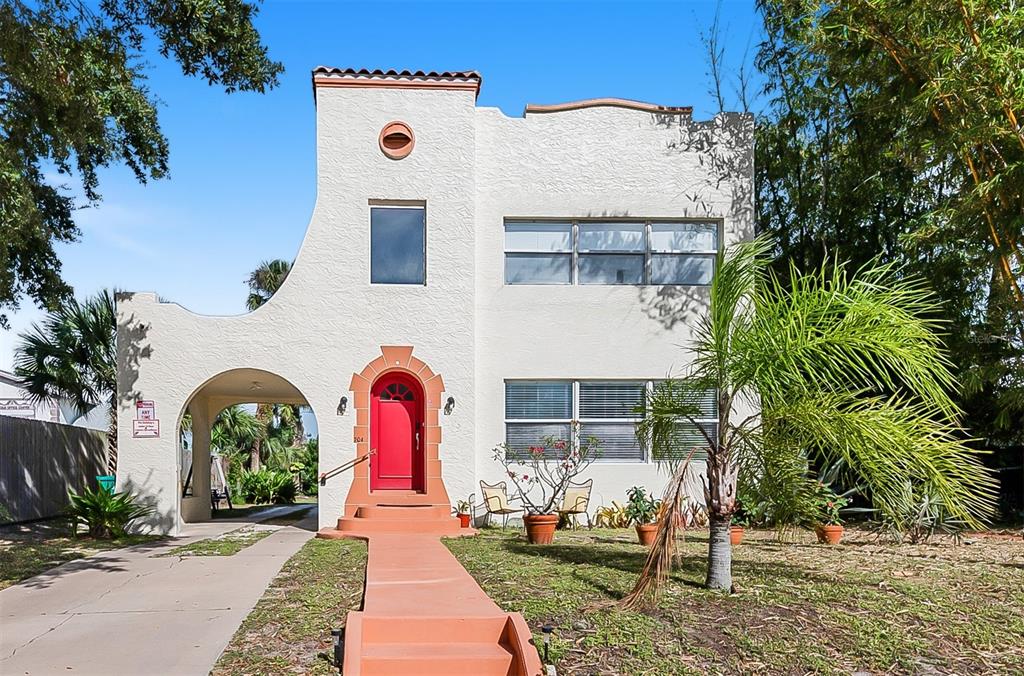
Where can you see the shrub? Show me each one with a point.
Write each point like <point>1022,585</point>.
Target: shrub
<point>919,515</point>
<point>265,486</point>
<point>641,508</point>
<point>612,516</point>
<point>104,514</point>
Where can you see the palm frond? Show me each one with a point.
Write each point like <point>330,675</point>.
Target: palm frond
<point>886,442</point>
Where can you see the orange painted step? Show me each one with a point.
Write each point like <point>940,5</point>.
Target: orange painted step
<point>435,659</point>
<point>412,513</point>
<point>448,526</point>
<point>434,629</point>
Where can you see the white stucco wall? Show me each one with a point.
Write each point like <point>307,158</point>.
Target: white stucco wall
<point>593,162</point>
<point>472,167</point>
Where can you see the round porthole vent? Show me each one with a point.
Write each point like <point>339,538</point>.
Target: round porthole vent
<point>396,140</point>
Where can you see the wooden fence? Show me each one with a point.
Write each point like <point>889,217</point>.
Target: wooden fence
<point>40,461</point>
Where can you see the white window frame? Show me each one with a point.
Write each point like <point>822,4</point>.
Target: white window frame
<point>575,412</point>
<point>648,253</point>
<point>393,204</point>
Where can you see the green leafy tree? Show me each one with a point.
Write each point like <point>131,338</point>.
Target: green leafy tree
<point>893,129</point>
<point>263,283</point>
<point>71,356</point>
<point>74,99</point>
<point>845,367</point>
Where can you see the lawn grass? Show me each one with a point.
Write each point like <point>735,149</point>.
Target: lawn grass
<point>228,544</point>
<point>289,630</point>
<point>28,550</point>
<point>800,607</point>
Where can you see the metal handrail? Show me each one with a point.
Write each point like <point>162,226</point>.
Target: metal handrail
<point>346,466</point>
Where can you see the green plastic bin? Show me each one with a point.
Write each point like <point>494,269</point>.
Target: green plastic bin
<point>106,482</point>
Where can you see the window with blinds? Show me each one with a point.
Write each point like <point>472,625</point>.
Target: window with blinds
<point>535,409</point>
<point>606,410</point>
<point>690,436</point>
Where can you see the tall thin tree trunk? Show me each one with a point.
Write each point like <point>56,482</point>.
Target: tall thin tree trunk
<point>719,553</point>
<point>112,440</point>
<point>254,456</point>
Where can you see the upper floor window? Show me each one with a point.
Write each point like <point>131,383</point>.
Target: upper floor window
<point>634,252</point>
<point>398,236</point>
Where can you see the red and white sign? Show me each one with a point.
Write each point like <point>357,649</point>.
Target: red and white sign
<point>145,410</point>
<point>145,429</point>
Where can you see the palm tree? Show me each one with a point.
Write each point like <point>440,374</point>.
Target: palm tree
<point>265,280</point>
<point>71,356</point>
<point>263,283</point>
<point>843,368</point>
<point>235,430</point>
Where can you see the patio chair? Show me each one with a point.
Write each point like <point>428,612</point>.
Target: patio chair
<point>496,502</point>
<point>577,501</point>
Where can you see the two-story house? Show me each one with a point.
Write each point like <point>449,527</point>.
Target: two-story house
<point>467,278</point>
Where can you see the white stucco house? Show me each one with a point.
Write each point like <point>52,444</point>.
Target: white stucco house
<point>467,278</point>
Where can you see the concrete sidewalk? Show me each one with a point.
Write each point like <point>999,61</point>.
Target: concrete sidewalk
<point>130,612</point>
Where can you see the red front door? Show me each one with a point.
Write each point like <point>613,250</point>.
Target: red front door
<point>396,422</point>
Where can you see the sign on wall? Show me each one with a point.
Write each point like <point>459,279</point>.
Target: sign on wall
<point>22,408</point>
<point>146,425</point>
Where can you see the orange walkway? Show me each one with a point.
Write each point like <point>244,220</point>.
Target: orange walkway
<point>422,612</point>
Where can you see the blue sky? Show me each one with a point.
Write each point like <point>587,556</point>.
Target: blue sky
<point>241,185</point>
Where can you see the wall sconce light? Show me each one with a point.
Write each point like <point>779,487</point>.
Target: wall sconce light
<point>449,406</point>
<point>342,405</point>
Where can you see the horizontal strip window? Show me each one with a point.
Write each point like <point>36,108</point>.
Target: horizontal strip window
<point>629,252</point>
<point>606,410</point>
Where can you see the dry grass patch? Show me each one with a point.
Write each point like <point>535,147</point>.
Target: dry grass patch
<point>800,607</point>
<point>289,630</point>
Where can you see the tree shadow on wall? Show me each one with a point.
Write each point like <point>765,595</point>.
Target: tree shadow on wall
<point>132,348</point>
<point>724,149</point>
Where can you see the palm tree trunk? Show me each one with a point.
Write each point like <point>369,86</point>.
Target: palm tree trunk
<point>112,439</point>
<point>254,456</point>
<point>719,553</point>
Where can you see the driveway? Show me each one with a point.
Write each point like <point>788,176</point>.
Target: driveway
<point>129,611</point>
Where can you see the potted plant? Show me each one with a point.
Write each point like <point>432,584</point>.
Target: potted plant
<point>541,476</point>
<point>740,520</point>
<point>464,510</point>
<point>830,525</point>
<point>642,510</point>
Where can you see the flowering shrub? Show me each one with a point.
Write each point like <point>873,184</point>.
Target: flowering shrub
<point>542,475</point>
<point>828,505</point>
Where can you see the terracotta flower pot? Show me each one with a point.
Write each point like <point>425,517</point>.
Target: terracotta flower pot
<point>464,519</point>
<point>830,535</point>
<point>647,532</point>
<point>540,528</point>
<point>735,534</point>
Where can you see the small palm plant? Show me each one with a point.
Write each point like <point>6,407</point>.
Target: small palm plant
<point>841,367</point>
<point>102,513</point>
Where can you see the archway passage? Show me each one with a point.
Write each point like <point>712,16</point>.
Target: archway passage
<point>244,418</point>
<point>396,433</point>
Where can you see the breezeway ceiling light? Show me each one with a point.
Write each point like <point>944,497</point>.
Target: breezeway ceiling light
<point>256,386</point>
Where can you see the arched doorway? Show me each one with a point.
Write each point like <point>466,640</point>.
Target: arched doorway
<point>398,362</point>
<point>397,433</point>
<point>214,444</point>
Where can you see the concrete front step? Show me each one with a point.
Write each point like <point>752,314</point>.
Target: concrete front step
<point>435,659</point>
